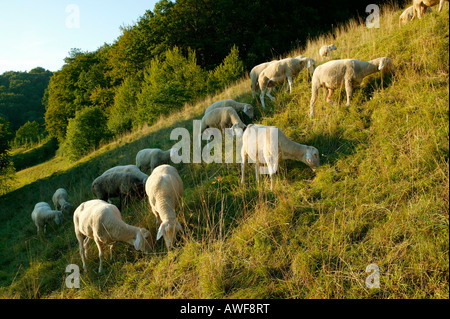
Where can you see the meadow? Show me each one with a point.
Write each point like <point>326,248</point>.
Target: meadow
<point>380,196</point>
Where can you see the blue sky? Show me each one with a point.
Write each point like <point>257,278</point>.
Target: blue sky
<point>41,32</point>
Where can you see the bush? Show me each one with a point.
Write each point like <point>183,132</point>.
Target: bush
<point>85,132</point>
<point>226,73</point>
<point>168,84</point>
<point>30,132</point>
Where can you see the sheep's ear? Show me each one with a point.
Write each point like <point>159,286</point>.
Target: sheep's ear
<point>382,64</point>
<point>161,231</point>
<point>139,240</point>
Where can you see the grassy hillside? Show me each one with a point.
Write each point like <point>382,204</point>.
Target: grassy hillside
<point>380,195</point>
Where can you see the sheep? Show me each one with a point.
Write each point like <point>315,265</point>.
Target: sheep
<point>421,5</point>
<point>258,144</point>
<point>132,169</point>
<point>102,222</point>
<point>60,200</point>
<point>118,184</point>
<point>43,214</point>
<point>325,51</point>
<point>164,189</point>
<point>149,158</point>
<point>254,75</point>
<point>221,118</point>
<point>408,15</point>
<point>280,70</point>
<point>349,72</point>
<point>247,109</point>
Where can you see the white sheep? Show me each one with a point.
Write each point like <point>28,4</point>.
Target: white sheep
<point>164,189</point>
<point>221,118</point>
<point>43,214</point>
<point>102,222</point>
<point>247,109</point>
<point>60,200</point>
<point>348,72</point>
<point>281,70</point>
<point>325,51</point>
<point>259,145</point>
<point>408,15</point>
<point>132,169</point>
<point>254,75</point>
<point>118,184</point>
<point>149,158</point>
<point>420,7</point>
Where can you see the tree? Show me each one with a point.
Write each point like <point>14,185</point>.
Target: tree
<point>6,168</point>
<point>226,73</point>
<point>85,132</point>
<point>30,132</point>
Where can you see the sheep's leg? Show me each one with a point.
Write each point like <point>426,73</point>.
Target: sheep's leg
<point>110,251</point>
<point>349,90</point>
<point>261,97</point>
<point>290,83</point>
<point>100,254</point>
<point>270,95</point>
<point>315,91</point>
<point>81,247</point>
<point>257,171</point>
<point>330,92</point>
<point>441,5</point>
<point>244,159</point>
<point>85,243</point>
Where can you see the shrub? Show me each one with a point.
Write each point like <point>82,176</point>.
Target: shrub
<point>85,132</point>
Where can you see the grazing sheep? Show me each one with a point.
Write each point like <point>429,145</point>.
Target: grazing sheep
<point>408,15</point>
<point>149,158</point>
<point>280,70</point>
<point>164,189</point>
<point>258,145</point>
<point>102,222</point>
<point>43,214</point>
<point>254,75</point>
<point>118,184</point>
<point>325,51</point>
<point>60,200</point>
<point>349,72</point>
<point>247,109</point>
<point>132,169</point>
<point>420,7</point>
<point>221,118</point>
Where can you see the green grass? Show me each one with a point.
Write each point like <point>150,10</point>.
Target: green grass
<point>380,196</point>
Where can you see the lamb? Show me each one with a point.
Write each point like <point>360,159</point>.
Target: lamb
<point>408,15</point>
<point>349,72</point>
<point>118,184</point>
<point>325,51</point>
<point>132,169</point>
<point>149,158</point>
<point>221,118</point>
<point>259,145</point>
<point>60,200</point>
<point>247,109</point>
<point>420,7</point>
<point>280,70</point>
<point>43,214</point>
<point>164,189</point>
<point>254,75</point>
<point>102,222</point>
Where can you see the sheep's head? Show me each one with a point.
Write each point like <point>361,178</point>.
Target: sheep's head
<point>140,242</point>
<point>67,208</point>
<point>386,65</point>
<point>312,157</point>
<point>59,218</point>
<point>248,110</point>
<point>168,230</point>
<point>332,47</point>
<point>311,66</point>
<point>238,129</point>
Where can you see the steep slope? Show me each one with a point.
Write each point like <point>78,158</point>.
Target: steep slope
<point>380,196</point>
